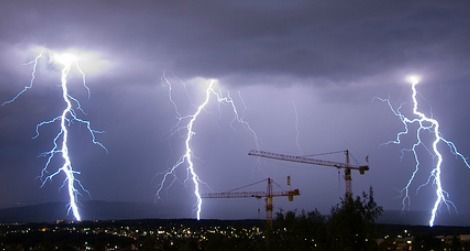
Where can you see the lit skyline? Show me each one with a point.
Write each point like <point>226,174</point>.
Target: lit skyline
<point>306,72</point>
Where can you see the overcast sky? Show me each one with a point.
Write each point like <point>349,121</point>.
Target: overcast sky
<point>322,60</point>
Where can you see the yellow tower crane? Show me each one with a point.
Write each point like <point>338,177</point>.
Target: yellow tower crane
<point>347,166</point>
<point>269,194</point>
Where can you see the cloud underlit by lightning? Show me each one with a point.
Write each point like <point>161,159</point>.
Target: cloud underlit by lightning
<point>187,157</point>
<point>67,62</point>
<point>430,125</point>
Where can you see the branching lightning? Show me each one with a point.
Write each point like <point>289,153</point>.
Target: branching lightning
<point>31,82</point>
<point>430,125</point>
<point>60,142</point>
<point>187,157</point>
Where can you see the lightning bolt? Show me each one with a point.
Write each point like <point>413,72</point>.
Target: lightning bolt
<point>430,125</point>
<point>61,140</point>
<point>187,157</point>
<point>31,82</point>
<point>297,130</point>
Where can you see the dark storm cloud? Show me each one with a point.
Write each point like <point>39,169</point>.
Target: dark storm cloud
<point>330,41</point>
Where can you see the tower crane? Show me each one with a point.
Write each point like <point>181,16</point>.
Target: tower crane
<point>269,194</point>
<point>347,166</point>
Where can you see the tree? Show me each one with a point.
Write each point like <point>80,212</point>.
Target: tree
<point>351,225</point>
<point>293,231</point>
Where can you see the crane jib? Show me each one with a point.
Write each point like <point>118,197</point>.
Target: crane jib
<point>301,159</point>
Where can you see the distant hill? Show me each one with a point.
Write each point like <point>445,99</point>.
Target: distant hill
<point>104,210</point>
<point>422,217</point>
<point>91,210</point>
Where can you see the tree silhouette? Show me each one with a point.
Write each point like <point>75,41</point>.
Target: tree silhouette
<point>351,226</point>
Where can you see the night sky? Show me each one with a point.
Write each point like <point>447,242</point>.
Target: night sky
<point>327,60</point>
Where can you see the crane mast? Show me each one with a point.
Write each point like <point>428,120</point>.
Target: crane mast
<point>269,194</point>
<point>347,166</point>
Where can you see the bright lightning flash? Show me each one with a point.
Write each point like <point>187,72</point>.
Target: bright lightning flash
<point>67,61</point>
<point>187,157</point>
<point>431,125</point>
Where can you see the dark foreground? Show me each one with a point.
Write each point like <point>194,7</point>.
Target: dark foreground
<point>216,235</point>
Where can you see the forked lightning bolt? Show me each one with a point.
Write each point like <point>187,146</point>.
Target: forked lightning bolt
<point>187,157</point>
<point>60,142</point>
<point>430,125</point>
